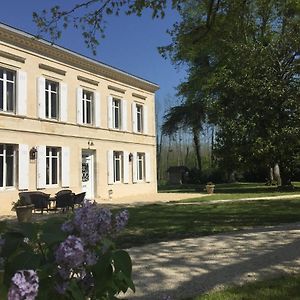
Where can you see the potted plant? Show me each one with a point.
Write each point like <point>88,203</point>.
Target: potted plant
<point>23,210</point>
<point>210,187</point>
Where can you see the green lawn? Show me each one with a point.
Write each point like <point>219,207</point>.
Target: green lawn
<point>163,222</point>
<point>284,288</point>
<point>232,191</point>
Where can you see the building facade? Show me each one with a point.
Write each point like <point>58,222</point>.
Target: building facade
<point>67,121</point>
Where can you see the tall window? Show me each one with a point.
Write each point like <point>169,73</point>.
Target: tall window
<point>116,113</point>
<point>7,90</point>
<point>52,165</point>
<point>140,166</point>
<point>118,159</point>
<point>7,165</point>
<point>51,97</point>
<point>139,118</point>
<point>87,107</point>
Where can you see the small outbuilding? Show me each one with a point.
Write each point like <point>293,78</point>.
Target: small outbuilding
<point>178,174</point>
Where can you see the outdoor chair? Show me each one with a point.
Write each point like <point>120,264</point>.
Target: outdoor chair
<point>63,192</point>
<point>64,201</point>
<point>40,200</point>
<point>78,199</point>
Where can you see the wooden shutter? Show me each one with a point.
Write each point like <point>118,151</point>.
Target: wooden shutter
<point>65,167</point>
<point>124,114</point>
<point>23,167</point>
<point>126,167</point>
<point>145,119</point>
<point>63,101</point>
<point>134,167</point>
<point>97,112</point>
<point>41,97</point>
<point>21,90</point>
<point>110,167</point>
<point>134,117</point>
<point>109,112</point>
<point>147,167</point>
<point>41,167</point>
<point>79,105</point>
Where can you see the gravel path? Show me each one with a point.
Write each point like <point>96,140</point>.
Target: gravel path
<point>192,266</point>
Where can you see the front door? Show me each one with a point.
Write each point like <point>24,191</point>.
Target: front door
<point>88,174</point>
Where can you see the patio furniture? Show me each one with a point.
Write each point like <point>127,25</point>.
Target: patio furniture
<point>78,199</point>
<point>64,201</point>
<point>40,200</point>
<point>63,192</point>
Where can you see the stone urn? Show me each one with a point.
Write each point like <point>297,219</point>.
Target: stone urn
<point>210,187</point>
<point>24,213</point>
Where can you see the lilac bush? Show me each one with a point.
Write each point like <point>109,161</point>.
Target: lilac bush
<point>73,260</point>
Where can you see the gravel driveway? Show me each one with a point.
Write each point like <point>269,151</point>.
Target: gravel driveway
<point>192,266</point>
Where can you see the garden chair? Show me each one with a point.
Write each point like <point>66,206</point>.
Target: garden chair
<point>78,199</point>
<point>64,201</point>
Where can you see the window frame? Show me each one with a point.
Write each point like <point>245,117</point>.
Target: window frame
<point>4,91</point>
<point>140,158</point>
<point>4,168</point>
<point>58,166</point>
<point>84,103</point>
<point>49,92</point>
<point>118,156</point>
<point>119,113</point>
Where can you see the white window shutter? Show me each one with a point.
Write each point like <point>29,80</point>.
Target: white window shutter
<point>23,167</point>
<point>41,96</point>
<point>21,89</point>
<point>134,119</point>
<point>126,166</point>
<point>110,167</point>
<point>134,167</point>
<point>97,112</point>
<point>124,114</point>
<point>63,101</point>
<point>109,112</point>
<point>145,119</point>
<point>65,167</point>
<point>79,105</point>
<point>147,167</point>
<point>41,167</point>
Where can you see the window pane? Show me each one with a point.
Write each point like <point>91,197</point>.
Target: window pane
<point>1,148</point>
<point>53,105</point>
<point>116,118</point>
<point>1,95</point>
<point>9,150</point>
<point>1,171</point>
<point>54,170</point>
<point>47,171</point>
<point>83,112</point>
<point>10,75</point>
<point>47,151</point>
<point>117,170</point>
<point>10,96</point>
<point>53,86</point>
<point>54,151</point>
<point>9,170</point>
<point>1,73</point>
<point>47,104</point>
<point>88,113</point>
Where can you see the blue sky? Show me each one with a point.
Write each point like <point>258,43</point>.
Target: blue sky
<point>130,44</point>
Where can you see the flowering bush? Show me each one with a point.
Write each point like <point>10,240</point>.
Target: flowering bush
<point>74,260</point>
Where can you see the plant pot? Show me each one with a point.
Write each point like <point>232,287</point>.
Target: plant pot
<point>24,213</point>
<point>210,188</point>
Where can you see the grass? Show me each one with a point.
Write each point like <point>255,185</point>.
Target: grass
<point>284,288</point>
<point>164,222</point>
<point>233,191</point>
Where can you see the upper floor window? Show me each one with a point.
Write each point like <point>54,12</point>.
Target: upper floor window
<point>116,113</point>
<point>117,163</point>
<point>51,99</point>
<point>52,165</point>
<point>7,90</point>
<point>87,107</point>
<point>139,118</point>
<point>7,165</point>
<point>140,166</point>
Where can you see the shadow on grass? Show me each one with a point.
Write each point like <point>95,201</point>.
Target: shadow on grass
<point>160,222</point>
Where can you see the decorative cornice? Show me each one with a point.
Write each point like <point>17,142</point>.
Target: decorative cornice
<point>52,69</point>
<point>116,89</point>
<point>28,42</point>
<point>139,96</point>
<point>88,80</point>
<point>12,56</point>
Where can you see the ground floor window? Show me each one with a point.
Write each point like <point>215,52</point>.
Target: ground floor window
<point>140,166</point>
<point>52,165</point>
<point>117,160</point>
<point>7,165</point>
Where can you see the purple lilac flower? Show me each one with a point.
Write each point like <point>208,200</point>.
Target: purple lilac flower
<point>67,227</point>
<point>121,219</point>
<point>61,287</point>
<point>70,252</point>
<point>90,258</point>
<point>24,286</point>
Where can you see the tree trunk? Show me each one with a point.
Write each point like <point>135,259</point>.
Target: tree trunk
<point>196,138</point>
<point>285,177</point>
<point>277,174</point>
